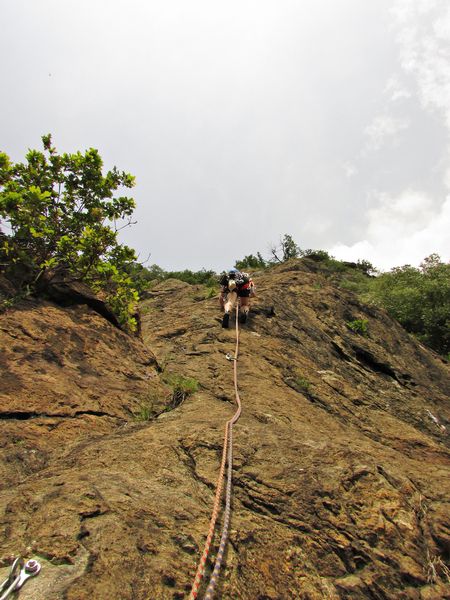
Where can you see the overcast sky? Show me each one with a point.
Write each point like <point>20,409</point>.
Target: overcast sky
<point>247,119</point>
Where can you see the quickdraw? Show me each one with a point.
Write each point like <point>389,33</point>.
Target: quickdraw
<point>227,453</point>
<point>19,572</point>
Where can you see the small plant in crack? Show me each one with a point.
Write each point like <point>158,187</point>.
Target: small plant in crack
<point>211,292</point>
<point>181,387</point>
<point>303,384</point>
<point>359,326</point>
<point>436,569</point>
<point>13,300</point>
<point>299,383</point>
<point>146,411</point>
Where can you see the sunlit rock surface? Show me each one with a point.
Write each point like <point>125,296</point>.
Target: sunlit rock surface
<point>341,464</point>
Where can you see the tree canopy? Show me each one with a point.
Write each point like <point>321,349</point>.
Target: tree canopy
<point>60,212</point>
<point>419,298</point>
<point>251,262</point>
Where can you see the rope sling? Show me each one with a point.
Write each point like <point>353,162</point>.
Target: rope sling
<point>226,453</point>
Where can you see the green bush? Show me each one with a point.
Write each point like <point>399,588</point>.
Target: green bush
<point>140,276</point>
<point>206,277</point>
<point>351,286</point>
<point>317,255</point>
<point>211,292</point>
<point>419,298</point>
<point>335,266</point>
<point>303,384</point>
<point>145,413</point>
<point>145,276</point>
<point>251,262</point>
<point>360,326</point>
<point>62,215</point>
<point>182,387</point>
<point>366,267</point>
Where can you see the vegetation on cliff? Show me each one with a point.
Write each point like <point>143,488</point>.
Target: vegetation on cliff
<point>62,214</point>
<point>111,446</point>
<point>418,297</point>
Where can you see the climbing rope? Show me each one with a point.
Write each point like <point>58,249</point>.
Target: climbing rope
<point>227,445</point>
<point>212,523</point>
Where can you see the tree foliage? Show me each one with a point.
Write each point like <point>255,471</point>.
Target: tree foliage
<point>251,262</point>
<point>61,212</point>
<point>419,298</point>
<point>144,276</point>
<point>316,255</point>
<point>203,277</point>
<point>289,247</point>
<point>285,250</point>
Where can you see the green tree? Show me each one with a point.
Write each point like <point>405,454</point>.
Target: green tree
<point>366,267</point>
<point>287,249</point>
<point>203,277</point>
<point>317,255</point>
<point>61,213</point>
<point>419,298</point>
<point>251,262</point>
<point>142,276</point>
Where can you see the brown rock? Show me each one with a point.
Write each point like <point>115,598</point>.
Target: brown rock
<point>340,476</point>
<point>58,285</point>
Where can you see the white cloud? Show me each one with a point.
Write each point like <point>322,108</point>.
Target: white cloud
<point>442,26</point>
<point>349,169</point>
<point>423,35</point>
<point>447,175</point>
<point>406,227</point>
<point>405,10</point>
<point>401,230</point>
<point>384,127</point>
<point>395,90</point>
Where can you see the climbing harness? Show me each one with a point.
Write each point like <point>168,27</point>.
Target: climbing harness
<point>18,574</point>
<point>227,453</point>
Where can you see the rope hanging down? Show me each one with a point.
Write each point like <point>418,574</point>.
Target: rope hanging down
<point>227,445</point>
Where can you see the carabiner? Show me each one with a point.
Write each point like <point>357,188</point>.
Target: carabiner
<point>16,580</point>
<point>10,583</point>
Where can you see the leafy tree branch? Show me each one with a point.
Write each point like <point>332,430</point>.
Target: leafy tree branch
<point>61,213</point>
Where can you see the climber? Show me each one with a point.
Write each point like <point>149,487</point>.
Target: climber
<point>234,285</point>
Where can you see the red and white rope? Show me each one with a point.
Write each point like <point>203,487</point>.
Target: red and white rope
<point>228,444</point>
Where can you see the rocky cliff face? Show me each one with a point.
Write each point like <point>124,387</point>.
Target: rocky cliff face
<point>341,468</point>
